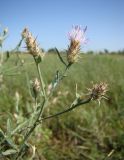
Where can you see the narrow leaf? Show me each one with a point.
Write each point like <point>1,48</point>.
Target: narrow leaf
<point>9,152</point>
<point>77,94</point>
<point>9,126</point>
<point>61,59</point>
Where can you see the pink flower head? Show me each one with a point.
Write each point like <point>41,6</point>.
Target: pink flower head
<point>76,37</point>
<point>77,34</point>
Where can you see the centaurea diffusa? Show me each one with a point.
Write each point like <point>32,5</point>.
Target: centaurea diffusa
<point>98,91</point>
<point>76,37</point>
<point>31,44</point>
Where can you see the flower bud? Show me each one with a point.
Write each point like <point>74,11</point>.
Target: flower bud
<point>98,91</point>
<point>76,37</point>
<point>36,87</point>
<point>31,44</point>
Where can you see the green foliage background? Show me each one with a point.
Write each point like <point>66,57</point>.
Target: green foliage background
<point>90,132</point>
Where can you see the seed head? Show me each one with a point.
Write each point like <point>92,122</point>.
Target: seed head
<point>36,87</point>
<point>25,33</point>
<point>98,91</point>
<point>31,43</point>
<point>76,37</point>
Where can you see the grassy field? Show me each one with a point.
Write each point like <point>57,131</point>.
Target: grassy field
<point>90,132</point>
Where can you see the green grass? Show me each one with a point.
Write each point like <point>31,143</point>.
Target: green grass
<point>89,132</point>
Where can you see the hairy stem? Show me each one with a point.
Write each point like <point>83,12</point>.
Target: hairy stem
<point>41,80</point>
<point>30,131</point>
<point>45,101</point>
<point>68,109</point>
<point>38,116</point>
<point>60,79</point>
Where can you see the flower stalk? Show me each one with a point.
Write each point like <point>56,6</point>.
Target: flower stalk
<point>41,80</point>
<point>75,104</point>
<point>97,92</point>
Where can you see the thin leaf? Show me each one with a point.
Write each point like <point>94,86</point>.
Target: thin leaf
<point>61,59</point>
<point>56,80</point>
<point>9,152</point>
<point>9,126</point>
<point>77,94</point>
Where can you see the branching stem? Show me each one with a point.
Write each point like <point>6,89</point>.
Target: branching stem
<point>68,109</point>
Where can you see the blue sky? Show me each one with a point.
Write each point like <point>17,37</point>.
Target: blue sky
<point>51,20</point>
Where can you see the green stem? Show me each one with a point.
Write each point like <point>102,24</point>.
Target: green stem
<point>19,127</point>
<point>61,78</point>
<point>39,115</point>
<point>33,127</point>
<point>63,75</point>
<point>41,109</point>
<point>68,109</point>
<point>41,80</point>
<point>30,131</point>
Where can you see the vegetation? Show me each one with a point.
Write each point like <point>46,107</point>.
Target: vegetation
<point>54,110</point>
<point>90,131</point>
